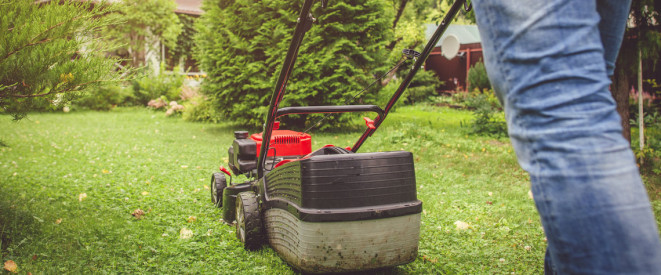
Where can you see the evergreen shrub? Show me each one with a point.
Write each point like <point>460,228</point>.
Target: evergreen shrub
<point>477,78</point>
<point>339,56</point>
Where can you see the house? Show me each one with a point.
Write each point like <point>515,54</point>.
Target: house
<point>454,71</point>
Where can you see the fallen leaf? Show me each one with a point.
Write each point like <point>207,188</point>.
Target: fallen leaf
<point>11,266</point>
<point>138,213</point>
<point>527,247</point>
<point>530,194</point>
<point>144,193</point>
<point>490,194</point>
<point>185,233</point>
<point>427,258</point>
<point>206,187</point>
<point>489,202</point>
<point>184,166</point>
<point>192,219</point>
<point>105,171</point>
<point>58,221</point>
<point>34,257</point>
<point>461,225</point>
<point>82,196</point>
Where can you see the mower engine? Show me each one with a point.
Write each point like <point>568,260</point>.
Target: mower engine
<point>285,144</point>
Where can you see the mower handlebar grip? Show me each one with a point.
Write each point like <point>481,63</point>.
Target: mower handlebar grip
<point>329,109</point>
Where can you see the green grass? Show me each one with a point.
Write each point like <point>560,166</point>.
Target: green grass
<point>137,159</point>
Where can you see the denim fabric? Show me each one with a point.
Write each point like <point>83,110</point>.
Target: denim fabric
<point>549,62</point>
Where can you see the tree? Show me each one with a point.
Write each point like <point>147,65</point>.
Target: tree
<point>185,41</point>
<point>644,37</point>
<point>49,52</point>
<point>337,59</point>
<point>147,22</point>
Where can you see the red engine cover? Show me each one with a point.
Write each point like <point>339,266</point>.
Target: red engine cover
<point>286,143</point>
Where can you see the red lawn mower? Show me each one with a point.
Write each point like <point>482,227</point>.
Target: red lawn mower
<point>332,209</point>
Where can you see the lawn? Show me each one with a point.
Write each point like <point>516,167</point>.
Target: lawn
<point>69,183</point>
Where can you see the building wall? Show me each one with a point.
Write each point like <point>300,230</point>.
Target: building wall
<point>454,72</point>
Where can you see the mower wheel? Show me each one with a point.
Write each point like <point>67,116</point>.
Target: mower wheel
<point>248,220</point>
<point>218,184</point>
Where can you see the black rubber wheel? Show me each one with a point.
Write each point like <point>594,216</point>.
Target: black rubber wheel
<point>218,184</point>
<point>248,220</point>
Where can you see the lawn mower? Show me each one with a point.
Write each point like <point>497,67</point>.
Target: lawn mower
<point>328,210</point>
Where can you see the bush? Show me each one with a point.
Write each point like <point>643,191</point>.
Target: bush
<point>102,99</point>
<point>477,78</point>
<point>338,57</point>
<point>488,119</point>
<point>422,87</point>
<point>649,157</point>
<point>199,109</point>
<point>153,86</point>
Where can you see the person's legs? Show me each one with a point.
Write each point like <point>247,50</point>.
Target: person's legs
<point>547,64</point>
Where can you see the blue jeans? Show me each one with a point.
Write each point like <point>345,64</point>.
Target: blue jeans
<point>549,62</point>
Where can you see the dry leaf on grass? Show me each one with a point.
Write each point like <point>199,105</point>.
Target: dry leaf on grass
<point>138,213</point>
<point>82,196</point>
<point>192,219</point>
<point>11,266</point>
<point>58,221</point>
<point>145,193</point>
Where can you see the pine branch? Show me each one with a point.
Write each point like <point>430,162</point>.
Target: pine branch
<point>39,35</point>
<point>54,91</point>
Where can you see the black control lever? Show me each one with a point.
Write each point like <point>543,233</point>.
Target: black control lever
<point>410,54</point>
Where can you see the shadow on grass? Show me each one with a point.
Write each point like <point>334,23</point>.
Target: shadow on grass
<point>16,225</point>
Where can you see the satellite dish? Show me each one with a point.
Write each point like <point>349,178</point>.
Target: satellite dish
<point>450,46</point>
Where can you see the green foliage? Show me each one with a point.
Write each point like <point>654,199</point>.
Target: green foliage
<point>156,85</point>
<point>488,117</point>
<point>423,86</point>
<point>337,58</point>
<point>103,98</point>
<point>199,109</point>
<point>477,78</point>
<point>185,45</point>
<point>49,52</point>
<point>146,22</point>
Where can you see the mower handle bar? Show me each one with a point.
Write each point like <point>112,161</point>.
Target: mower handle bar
<point>329,109</point>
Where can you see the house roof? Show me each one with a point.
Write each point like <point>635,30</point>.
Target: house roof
<point>467,34</point>
<point>193,7</point>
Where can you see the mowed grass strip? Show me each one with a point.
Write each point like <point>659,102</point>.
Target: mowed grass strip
<point>69,183</point>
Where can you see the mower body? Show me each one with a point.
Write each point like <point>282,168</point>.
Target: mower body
<point>331,210</point>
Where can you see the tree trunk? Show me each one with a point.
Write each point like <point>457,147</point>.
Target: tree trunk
<point>620,91</point>
<point>400,10</point>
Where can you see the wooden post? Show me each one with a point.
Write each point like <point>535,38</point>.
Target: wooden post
<point>641,121</point>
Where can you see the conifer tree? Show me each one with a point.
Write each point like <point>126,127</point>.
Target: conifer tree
<point>49,52</point>
<point>241,46</point>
